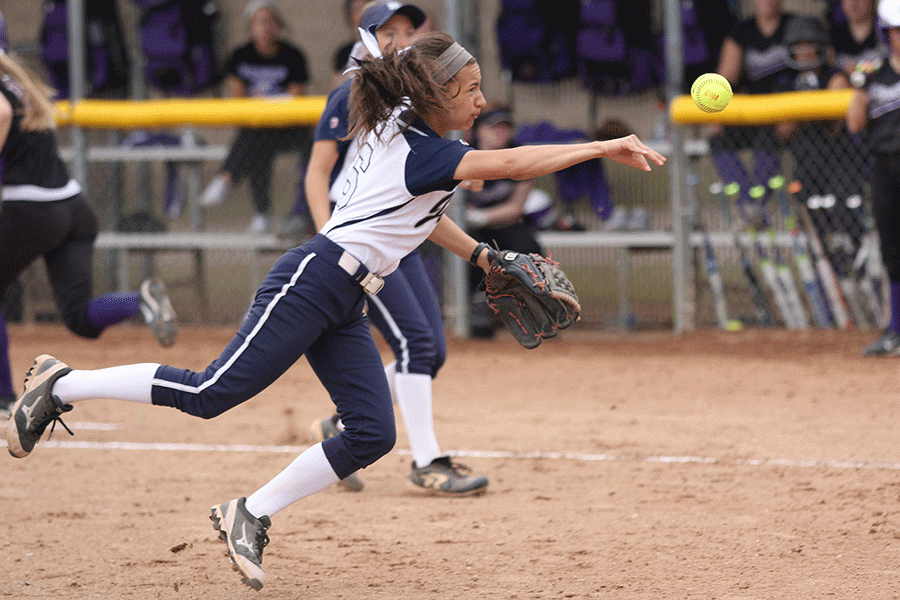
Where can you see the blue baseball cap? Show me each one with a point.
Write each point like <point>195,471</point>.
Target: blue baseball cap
<point>376,16</point>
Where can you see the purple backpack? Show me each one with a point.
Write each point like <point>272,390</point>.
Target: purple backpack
<point>178,43</point>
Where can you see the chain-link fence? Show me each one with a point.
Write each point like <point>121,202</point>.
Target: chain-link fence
<point>799,248</point>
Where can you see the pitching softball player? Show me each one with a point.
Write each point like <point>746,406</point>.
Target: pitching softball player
<point>43,214</point>
<point>406,311</point>
<point>398,179</point>
<point>875,107</point>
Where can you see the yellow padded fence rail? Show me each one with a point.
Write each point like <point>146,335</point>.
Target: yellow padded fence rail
<point>203,112</point>
<point>766,109</point>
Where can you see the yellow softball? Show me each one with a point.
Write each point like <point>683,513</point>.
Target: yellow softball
<point>711,92</point>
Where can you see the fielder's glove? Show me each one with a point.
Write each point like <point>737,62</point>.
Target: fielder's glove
<point>531,295</point>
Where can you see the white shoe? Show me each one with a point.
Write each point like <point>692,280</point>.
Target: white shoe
<point>214,192</point>
<point>259,224</point>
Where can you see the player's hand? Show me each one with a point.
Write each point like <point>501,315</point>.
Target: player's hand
<point>631,151</point>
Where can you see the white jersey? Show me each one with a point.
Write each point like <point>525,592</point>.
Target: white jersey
<point>391,192</point>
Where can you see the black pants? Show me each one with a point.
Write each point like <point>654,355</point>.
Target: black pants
<point>63,232</point>
<point>886,209</point>
<point>253,153</point>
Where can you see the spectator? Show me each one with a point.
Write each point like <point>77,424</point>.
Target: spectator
<point>754,59</point>
<point>266,66</point>
<point>830,182</point>
<point>353,10</point>
<point>504,212</point>
<point>855,39</point>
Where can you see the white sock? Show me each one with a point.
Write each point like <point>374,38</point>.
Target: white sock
<point>414,399</point>
<point>390,370</point>
<point>309,473</point>
<point>131,383</point>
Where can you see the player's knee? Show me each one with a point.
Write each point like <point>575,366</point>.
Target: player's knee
<point>78,322</point>
<point>370,441</point>
<point>426,356</point>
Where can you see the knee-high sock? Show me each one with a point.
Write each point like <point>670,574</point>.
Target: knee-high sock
<point>131,383</point>
<point>6,387</point>
<point>113,308</point>
<point>307,474</point>
<point>414,399</point>
<point>894,288</point>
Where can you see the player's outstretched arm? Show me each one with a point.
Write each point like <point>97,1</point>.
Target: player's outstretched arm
<point>528,162</point>
<point>450,236</point>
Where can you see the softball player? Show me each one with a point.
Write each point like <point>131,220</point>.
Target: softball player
<point>406,311</point>
<point>876,107</point>
<point>398,178</point>
<point>44,214</point>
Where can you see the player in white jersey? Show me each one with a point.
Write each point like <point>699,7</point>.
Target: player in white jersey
<point>406,311</point>
<point>311,302</point>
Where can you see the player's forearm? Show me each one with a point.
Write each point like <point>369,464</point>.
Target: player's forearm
<point>528,162</point>
<point>317,199</point>
<point>450,236</point>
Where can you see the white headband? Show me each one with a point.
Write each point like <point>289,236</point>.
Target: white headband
<point>451,61</point>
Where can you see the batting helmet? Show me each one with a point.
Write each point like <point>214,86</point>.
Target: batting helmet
<point>802,29</point>
<point>889,13</point>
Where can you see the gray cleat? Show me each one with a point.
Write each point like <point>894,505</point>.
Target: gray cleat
<point>37,407</point>
<point>444,477</point>
<point>245,536</point>
<point>158,312</point>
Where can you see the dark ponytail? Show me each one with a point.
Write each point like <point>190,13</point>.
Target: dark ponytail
<point>405,78</point>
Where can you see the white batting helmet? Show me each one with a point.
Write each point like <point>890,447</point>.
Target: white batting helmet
<point>889,13</point>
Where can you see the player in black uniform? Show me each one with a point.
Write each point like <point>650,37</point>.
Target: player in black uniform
<point>754,59</point>
<point>875,108</point>
<point>43,213</point>
<point>855,39</point>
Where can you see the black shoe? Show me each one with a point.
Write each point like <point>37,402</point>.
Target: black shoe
<point>887,345</point>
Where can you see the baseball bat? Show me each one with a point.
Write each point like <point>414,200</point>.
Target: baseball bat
<point>827,275</point>
<point>799,318</point>
<point>713,272</point>
<point>766,266</point>
<point>845,272</point>
<point>867,264</point>
<point>760,304</point>
<point>814,295</point>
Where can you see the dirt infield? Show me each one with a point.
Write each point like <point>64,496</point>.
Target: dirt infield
<point>750,465</point>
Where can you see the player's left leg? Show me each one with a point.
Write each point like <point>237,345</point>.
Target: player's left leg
<point>409,317</point>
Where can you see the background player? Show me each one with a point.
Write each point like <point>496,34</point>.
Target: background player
<point>406,311</point>
<point>875,108</point>
<point>400,178</point>
<point>43,214</point>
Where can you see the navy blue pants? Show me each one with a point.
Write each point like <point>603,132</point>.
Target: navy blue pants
<point>306,305</point>
<point>407,313</point>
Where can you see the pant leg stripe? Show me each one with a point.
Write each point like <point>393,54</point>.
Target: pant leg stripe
<point>403,361</point>
<point>271,306</point>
